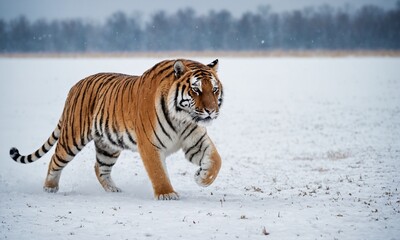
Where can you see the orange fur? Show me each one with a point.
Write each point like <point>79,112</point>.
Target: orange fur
<point>156,113</point>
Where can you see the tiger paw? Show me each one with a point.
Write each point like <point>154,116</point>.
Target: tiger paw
<point>204,178</point>
<point>167,196</point>
<point>50,189</point>
<point>110,188</point>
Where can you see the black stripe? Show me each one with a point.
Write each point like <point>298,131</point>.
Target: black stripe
<point>67,149</point>
<point>121,141</point>
<point>44,149</point>
<point>60,167</point>
<point>104,164</point>
<point>54,136</point>
<point>98,123</point>
<point>132,83</point>
<point>78,147</point>
<point>201,74</point>
<point>195,127</point>
<point>76,107</point>
<point>161,65</point>
<point>37,154</point>
<point>166,115</point>
<point>161,71</point>
<point>204,152</point>
<point>74,104</point>
<point>48,142</point>
<point>65,162</point>
<point>97,82</point>
<point>169,74</point>
<point>105,83</point>
<point>108,134</point>
<point>142,79</point>
<point>102,98</point>
<point>115,126</point>
<point>130,138</point>
<point>187,127</point>
<point>221,98</point>
<point>105,153</point>
<point>148,137</point>
<point>198,151</point>
<point>162,127</point>
<point>107,126</point>
<point>159,140</point>
<point>55,170</point>
<point>121,104</point>
<point>29,158</point>
<point>105,172</point>
<point>84,123</point>
<point>183,100</point>
<point>176,98</point>
<point>155,133</point>
<point>187,151</point>
<point>93,87</point>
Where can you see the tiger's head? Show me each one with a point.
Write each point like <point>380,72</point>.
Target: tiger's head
<point>197,93</point>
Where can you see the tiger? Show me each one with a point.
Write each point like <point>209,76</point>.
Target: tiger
<point>164,110</point>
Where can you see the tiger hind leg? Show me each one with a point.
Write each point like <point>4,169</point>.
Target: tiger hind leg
<point>53,176</point>
<point>105,160</point>
<point>62,156</point>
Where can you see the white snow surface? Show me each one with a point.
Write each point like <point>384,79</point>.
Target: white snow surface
<point>310,149</point>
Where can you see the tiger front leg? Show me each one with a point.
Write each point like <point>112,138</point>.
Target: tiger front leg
<point>154,164</point>
<point>209,169</point>
<point>201,151</point>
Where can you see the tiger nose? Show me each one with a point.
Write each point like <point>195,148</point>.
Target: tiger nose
<point>208,111</point>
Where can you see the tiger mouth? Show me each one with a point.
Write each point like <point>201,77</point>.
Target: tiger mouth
<point>203,119</point>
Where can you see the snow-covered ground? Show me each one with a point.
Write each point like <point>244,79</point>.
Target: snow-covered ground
<point>310,149</point>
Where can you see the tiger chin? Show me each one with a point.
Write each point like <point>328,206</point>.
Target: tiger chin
<point>156,114</point>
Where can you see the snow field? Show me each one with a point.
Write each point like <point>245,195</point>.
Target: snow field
<point>310,150</point>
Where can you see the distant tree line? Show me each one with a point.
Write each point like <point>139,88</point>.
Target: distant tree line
<point>370,28</point>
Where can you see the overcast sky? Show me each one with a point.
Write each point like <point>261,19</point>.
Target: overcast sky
<point>100,9</point>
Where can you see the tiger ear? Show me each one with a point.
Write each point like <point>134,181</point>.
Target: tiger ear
<point>179,68</point>
<point>214,65</point>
